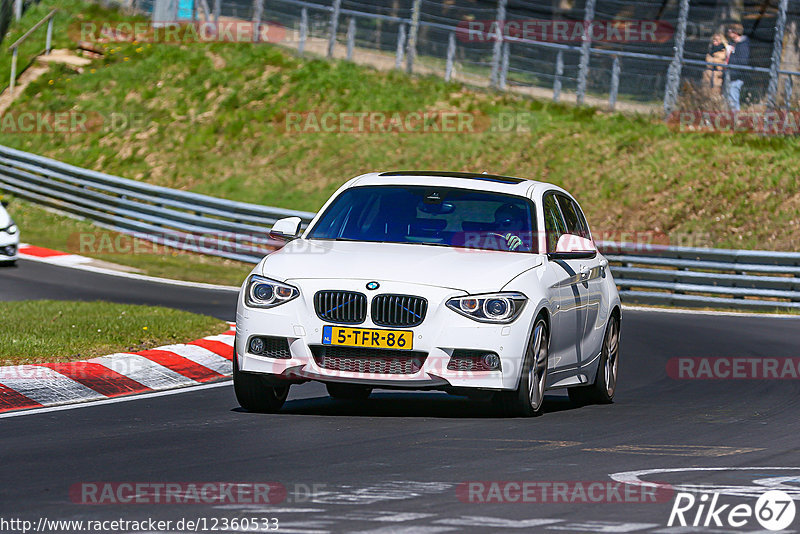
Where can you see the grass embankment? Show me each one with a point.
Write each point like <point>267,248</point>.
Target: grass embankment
<point>211,118</point>
<point>57,331</point>
<point>69,12</point>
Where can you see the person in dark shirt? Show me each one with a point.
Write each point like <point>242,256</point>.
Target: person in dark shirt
<point>739,56</point>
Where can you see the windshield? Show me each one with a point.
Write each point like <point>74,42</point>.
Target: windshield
<point>430,215</point>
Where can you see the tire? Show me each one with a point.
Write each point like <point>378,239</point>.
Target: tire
<point>255,393</point>
<point>348,391</point>
<point>605,382</point>
<point>528,399</point>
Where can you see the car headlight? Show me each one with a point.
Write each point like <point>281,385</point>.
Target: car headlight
<point>12,229</point>
<point>489,308</point>
<point>265,293</point>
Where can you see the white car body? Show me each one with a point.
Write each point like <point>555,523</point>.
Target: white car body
<point>577,297</point>
<point>9,237</point>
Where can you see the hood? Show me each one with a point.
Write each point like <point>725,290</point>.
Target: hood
<point>473,271</point>
<point>5,218</point>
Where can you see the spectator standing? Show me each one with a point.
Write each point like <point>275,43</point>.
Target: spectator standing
<point>740,56</point>
<point>717,53</point>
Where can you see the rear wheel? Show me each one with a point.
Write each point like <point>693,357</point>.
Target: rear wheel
<point>605,383</point>
<point>528,399</point>
<point>255,393</point>
<point>348,391</point>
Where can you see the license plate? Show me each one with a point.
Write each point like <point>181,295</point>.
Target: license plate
<point>367,337</point>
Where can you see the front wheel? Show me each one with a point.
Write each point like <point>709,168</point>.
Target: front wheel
<point>528,399</point>
<point>255,393</point>
<point>605,383</point>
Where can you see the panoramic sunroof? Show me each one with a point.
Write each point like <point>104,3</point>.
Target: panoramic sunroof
<point>450,174</point>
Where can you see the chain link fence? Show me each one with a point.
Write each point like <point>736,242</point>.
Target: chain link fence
<point>648,56</point>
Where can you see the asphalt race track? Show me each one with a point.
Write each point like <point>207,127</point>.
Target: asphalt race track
<point>35,280</point>
<point>399,461</point>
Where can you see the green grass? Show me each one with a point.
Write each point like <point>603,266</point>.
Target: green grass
<point>52,331</point>
<point>210,119</point>
<point>66,30</point>
<point>47,229</point>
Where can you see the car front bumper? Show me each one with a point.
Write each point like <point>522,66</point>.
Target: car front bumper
<point>9,247</point>
<point>442,332</point>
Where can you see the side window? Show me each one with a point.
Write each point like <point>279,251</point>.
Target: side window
<point>576,224</point>
<point>582,219</point>
<point>553,222</point>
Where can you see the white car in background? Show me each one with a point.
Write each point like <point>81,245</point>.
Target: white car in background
<point>449,281</point>
<point>9,237</point>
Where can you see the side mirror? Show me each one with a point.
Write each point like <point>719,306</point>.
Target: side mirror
<point>286,229</point>
<point>573,247</point>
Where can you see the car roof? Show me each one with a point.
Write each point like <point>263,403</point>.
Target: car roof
<point>463,180</point>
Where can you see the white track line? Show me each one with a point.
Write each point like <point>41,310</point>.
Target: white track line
<point>686,311</point>
<point>134,276</point>
<point>224,338</point>
<point>147,372</point>
<point>114,400</point>
<point>201,285</point>
<point>201,356</point>
<point>44,385</point>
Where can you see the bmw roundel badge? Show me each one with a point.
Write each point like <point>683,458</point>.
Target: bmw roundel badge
<point>373,285</point>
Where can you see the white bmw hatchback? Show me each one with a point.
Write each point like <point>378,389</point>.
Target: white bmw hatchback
<point>467,283</point>
<point>9,238</point>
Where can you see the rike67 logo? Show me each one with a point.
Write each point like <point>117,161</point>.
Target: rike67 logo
<point>774,510</point>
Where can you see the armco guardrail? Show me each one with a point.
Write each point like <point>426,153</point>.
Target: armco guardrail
<point>178,219</point>
<point>646,274</point>
<point>705,277</point>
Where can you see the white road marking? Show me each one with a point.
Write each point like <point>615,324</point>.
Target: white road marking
<point>708,530</point>
<point>685,311</point>
<point>115,400</point>
<point>134,276</point>
<point>602,526</point>
<point>218,287</point>
<point>382,517</point>
<point>387,491</point>
<point>202,356</point>
<point>146,372</point>
<point>496,522</point>
<point>45,385</point>
<point>755,491</point>
<point>416,529</point>
<point>261,509</point>
<point>225,338</point>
